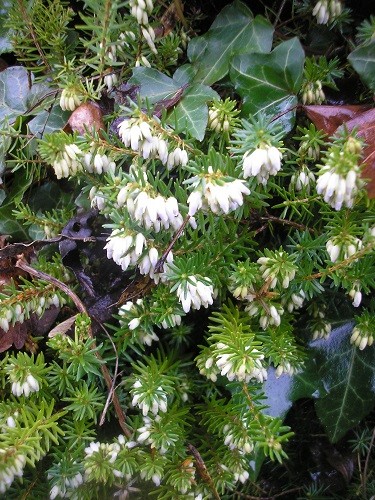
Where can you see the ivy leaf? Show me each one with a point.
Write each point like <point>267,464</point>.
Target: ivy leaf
<point>348,375</point>
<point>270,82</point>
<point>338,376</point>
<point>47,122</point>
<point>363,61</point>
<point>154,85</point>
<point>234,31</point>
<point>14,89</point>
<point>191,113</point>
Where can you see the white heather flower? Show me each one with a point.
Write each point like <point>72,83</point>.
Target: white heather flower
<point>322,330</point>
<point>355,294</point>
<point>29,386</point>
<point>124,248</point>
<point>69,100</point>
<point>245,371</point>
<point>302,180</point>
<point>195,294</point>
<point>220,197</point>
<point>361,339</point>
<point>98,164</point>
<point>7,474</point>
<point>243,444</point>
<point>338,190</point>
<point>68,162</point>
<point>262,163</point>
<point>296,301</point>
<point>344,248</point>
<point>285,367</point>
<point>321,12</point>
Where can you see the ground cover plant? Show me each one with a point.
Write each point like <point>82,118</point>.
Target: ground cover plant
<point>187,249</point>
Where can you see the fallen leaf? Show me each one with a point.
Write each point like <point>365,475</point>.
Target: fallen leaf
<point>332,119</point>
<point>329,118</point>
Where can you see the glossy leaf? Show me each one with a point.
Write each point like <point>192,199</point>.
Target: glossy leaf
<point>189,102</point>
<point>154,85</point>
<point>191,113</point>
<point>47,122</point>
<point>269,82</point>
<point>234,31</point>
<point>14,89</point>
<point>338,376</point>
<point>363,61</point>
<point>348,375</point>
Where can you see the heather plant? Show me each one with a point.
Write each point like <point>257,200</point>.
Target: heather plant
<point>186,251</point>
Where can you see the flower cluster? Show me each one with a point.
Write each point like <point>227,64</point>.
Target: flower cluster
<point>137,134</point>
<point>206,365</point>
<point>8,473</point>
<point>339,178</point>
<point>239,473</point>
<point>302,180</point>
<point>222,116</point>
<point>98,163</point>
<point>29,385</point>
<point>19,312</point>
<point>136,318</point>
<point>261,163</point>
<point>195,292</point>
<point>285,367</point>
<point>148,208</point>
<point>313,93</point>
<point>149,35</point>
<point>214,191</point>
<point>363,332</point>
<point>269,314</point>
<point>140,10</point>
<point>110,78</point>
<point>243,370</point>
<point>277,267</point>
<point>234,441</point>
<point>100,457</point>
<point>325,10</point>
<point>127,249</point>
<point>343,246</point>
<point>64,490</point>
<point>141,399</point>
<point>97,198</point>
<point>69,99</point>
<point>67,162</point>
<point>296,301</point>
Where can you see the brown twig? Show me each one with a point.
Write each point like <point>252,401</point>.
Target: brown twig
<point>160,262</point>
<point>285,222</point>
<point>22,264</point>
<point>112,389</point>
<point>281,494</point>
<point>202,470</point>
<point>344,263</point>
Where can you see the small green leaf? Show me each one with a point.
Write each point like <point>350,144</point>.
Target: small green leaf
<point>14,88</point>
<point>191,113</point>
<point>269,82</point>
<point>234,31</point>
<point>363,61</point>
